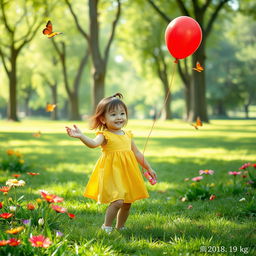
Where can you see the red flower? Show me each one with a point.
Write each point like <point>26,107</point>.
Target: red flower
<point>58,208</point>
<point>254,165</point>
<point>6,215</point>
<point>33,173</point>
<point>212,197</point>
<point>1,205</point>
<point>40,241</point>
<point>16,175</point>
<point>70,215</point>
<point>5,189</point>
<point>30,207</point>
<point>51,198</point>
<point>14,242</point>
<point>4,242</point>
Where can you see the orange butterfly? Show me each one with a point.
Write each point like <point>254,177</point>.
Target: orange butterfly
<point>37,134</point>
<point>198,67</point>
<point>198,123</point>
<point>50,107</point>
<point>48,30</point>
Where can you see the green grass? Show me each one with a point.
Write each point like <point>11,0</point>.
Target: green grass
<point>162,224</point>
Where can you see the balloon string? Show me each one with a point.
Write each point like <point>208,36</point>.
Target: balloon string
<point>160,112</point>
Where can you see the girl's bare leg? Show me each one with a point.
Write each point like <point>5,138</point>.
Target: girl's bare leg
<point>122,215</point>
<point>112,211</point>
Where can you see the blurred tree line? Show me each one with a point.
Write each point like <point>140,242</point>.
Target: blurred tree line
<point>110,46</point>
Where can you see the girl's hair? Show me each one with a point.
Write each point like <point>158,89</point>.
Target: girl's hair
<point>105,105</point>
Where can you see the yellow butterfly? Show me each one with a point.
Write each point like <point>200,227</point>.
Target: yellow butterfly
<point>198,123</point>
<point>50,107</point>
<point>48,30</point>
<point>198,67</point>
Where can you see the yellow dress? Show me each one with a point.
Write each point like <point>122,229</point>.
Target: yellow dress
<point>116,175</point>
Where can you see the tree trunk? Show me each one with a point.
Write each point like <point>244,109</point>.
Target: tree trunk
<point>167,107</point>
<point>98,86</point>
<point>187,100</point>
<point>74,108</point>
<point>198,99</point>
<point>220,109</point>
<point>54,114</point>
<point>12,106</point>
<point>246,110</point>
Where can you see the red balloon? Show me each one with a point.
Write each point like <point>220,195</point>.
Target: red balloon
<point>183,36</point>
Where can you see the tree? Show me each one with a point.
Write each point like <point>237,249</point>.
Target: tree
<point>72,91</point>
<point>99,60</point>
<point>206,14</point>
<point>19,28</point>
<point>142,43</point>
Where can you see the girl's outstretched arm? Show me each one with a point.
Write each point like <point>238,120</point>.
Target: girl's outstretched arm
<point>91,143</point>
<point>142,161</point>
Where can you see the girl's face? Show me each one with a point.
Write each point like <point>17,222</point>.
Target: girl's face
<point>115,119</point>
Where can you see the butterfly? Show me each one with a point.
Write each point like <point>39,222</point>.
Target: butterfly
<point>198,123</point>
<point>48,30</point>
<point>198,67</point>
<point>50,107</point>
<point>37,134</point>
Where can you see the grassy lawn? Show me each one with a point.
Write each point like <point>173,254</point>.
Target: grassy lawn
<point>164,224</point>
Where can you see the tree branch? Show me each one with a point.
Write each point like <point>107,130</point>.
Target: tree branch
<point>4,63</point>
<point>114,24</point>
<point>162,14</point>
<point>205,6</point>
<point>4,18</point>
<point>183,8</point>
<point>76,21</point>
<point>80,69</point>
<point>213,17</point>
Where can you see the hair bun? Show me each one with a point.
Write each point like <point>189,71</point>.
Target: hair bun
<point>118,94</point>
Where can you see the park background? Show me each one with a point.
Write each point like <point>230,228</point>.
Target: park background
<point>126,53</point>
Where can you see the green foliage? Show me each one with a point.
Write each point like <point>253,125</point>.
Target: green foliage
<point>14,162</point>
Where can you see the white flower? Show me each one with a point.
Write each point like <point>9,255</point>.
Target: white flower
<point>12,208</point>
<point>242,199</point>
<point>15,183</point>
<point>41,221</point>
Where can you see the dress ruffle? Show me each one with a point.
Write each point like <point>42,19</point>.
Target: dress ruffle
<point>105,134</point>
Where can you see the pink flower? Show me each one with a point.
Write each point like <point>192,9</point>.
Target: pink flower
<point>212,197</point>
<point>40,241</point>
<point>198,178</point>
<point>244,166</point>
<point>210,172</point>
<point>234,173</point>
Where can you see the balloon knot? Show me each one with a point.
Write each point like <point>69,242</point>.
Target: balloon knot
<point>176,61</point>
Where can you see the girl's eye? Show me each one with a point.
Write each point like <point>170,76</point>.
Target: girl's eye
<point>122,113</point>
<point>113,114</point>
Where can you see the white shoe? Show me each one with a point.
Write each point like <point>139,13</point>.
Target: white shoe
<point>122,228</point>
<point>107,229</point>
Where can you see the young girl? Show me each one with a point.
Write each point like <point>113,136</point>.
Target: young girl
<point>116,179</point>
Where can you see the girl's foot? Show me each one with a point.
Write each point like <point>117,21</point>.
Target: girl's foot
<point>107,229</point>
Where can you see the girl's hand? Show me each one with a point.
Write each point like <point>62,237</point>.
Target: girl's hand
<point>75,133</point>
<point>152,173</point>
